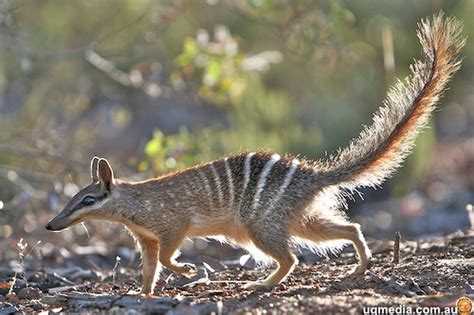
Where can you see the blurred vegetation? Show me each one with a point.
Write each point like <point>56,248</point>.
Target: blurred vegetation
<point>160,85</point>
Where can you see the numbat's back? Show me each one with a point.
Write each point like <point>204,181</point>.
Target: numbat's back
<point>267,200</point>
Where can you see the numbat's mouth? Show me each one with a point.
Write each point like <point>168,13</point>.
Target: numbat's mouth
<point>58,224</point>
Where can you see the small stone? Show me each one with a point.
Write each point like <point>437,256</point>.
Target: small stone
<point>29,293</point>
<point>37,307</point>
<point>160,283</point>
<point>247,261</point>
<point>6,272</point>
<point>468,288</point>
<point>211,264</point>
<point>19,283</point>
<point>429,290</point>
<point>36,277</point>
<point>282,287</point>
<point>200,278</point>
<point>11,297</point>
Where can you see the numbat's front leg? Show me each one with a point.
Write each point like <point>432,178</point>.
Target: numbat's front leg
<point>150,250</point>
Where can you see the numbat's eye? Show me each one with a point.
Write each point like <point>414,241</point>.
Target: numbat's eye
<point>88,200</point>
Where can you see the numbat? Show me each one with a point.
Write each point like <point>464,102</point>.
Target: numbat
<point>268,201</point>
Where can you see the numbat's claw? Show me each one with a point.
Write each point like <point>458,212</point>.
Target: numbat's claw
<point>190,270</point>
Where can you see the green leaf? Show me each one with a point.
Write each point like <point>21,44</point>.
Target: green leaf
<point>154,146</point>
<point>212,73</point>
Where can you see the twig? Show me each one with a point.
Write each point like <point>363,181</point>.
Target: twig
<point>21,259</point>
<point>167,280</point>
<point>388,53</point>
<point>108,68</point>
<point>470,215</point>
<point>114,271</point>
<point>66,288</point>
<point>396,248</point>
<point>63,279</point>
<point>119,297</point>
<point>133,80</point>
<point>85,229</point>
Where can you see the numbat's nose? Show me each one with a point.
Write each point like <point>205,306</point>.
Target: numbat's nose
<point>56,225</point>
<point>48,227</point>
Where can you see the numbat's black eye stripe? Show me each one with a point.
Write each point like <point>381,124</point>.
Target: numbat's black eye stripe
<point>100,198</point>
<point>89,200</point>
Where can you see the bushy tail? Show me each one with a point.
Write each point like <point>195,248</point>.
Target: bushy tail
<point>382,147</point>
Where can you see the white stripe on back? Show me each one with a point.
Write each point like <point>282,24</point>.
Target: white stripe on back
<point>230,182</point>
<point>218,183</point>
<point>207,186</point>
<point>263,179</point>
<point>281,191</point>
<point>247,161</point>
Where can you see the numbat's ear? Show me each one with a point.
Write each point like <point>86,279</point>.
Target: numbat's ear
<point>94,165</point>
<point>106,175</point>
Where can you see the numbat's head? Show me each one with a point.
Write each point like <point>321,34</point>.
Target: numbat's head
<point>91,202</point>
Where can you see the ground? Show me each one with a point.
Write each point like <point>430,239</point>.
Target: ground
<point>433,272</point>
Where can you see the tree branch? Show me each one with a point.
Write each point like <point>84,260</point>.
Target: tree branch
<point>132,80</point>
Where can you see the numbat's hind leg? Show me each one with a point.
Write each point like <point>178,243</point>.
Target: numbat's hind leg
<point>318,231</point>
<point>273,242</point>
<point>285,266</point>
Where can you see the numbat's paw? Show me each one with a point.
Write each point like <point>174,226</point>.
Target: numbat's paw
<point>189,270</point>
<point>258,285</point>
<point>357,271</point>
<point>360,269</point>
<point>142,292</point>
